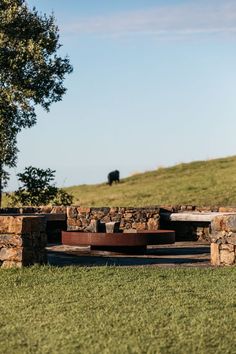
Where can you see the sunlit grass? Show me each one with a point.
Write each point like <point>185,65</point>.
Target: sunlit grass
<point>210,182</point>
<point>118,310</point>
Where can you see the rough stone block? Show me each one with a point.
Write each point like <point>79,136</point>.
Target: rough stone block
<point>232,239</point>
<point>45,209</point>
<point>83,210</point>
<point>11,224</point>
<point>139,226</point>
<point>227,210</point>
<point>153,224</point>
<point>74,222</point>
<point>216,237</point>
<point>11,254</point>
<point>128,231</point>
<point>227,257</point>
<point>9,240</point>
<point>128,216</point>
<point>59,209</point>
<point>21,224</point>
<point>106,219</point>
<point>114,211</point>
<point>227,247</point>
<point>71,212</point>
<point>224,223</point>
<point>11,264</point>
<point>215,254</point>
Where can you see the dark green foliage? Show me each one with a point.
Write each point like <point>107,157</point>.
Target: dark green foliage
<point>62,198</point>
<point>31,73</point>
<point>38,189</point>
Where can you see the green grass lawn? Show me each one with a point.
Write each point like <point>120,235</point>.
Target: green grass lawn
<point>118,310</point>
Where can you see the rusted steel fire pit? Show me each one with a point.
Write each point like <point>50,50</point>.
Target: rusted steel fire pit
<point>118,242</point>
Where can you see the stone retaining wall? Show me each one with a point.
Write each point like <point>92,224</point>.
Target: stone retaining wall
<point>22,240</point>
<point>23,237</point>
<point>79,218</point>
<point>223,240</point>
<point>54,226</point>
<point>33,210</point>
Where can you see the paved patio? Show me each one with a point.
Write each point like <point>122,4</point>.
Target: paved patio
<point>180,254</point>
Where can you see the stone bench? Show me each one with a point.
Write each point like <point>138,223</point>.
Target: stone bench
<point>190,225</point>
<point>221,232</point>
<point>193,216</point>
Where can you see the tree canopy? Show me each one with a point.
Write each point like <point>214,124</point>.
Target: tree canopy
<point>31,73</point>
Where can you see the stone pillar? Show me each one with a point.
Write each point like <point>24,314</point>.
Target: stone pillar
<point>223,240</point>
<point>22,240</point>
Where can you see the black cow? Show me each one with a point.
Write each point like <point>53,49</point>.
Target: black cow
<point>113,176</point>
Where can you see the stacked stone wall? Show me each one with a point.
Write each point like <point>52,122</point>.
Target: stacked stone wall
<point>223,240</point>
<point>79,218</point>
<point>22,240</point>
<point>34,210</point>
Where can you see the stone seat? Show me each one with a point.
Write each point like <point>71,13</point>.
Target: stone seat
<point>193,216</point>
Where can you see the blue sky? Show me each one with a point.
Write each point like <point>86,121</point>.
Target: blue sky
<point>153,85</point>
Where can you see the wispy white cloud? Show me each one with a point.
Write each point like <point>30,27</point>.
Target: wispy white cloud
<point>209,17</point>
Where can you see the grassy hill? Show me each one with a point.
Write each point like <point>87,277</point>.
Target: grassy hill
<point>211,182</point>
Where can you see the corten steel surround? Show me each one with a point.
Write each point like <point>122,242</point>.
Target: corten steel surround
<point>118,241</point>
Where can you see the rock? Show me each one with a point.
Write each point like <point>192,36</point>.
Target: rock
<point>232,239</point>
<point>10,240</point>
<point>215,254</point>
<point>22,240</point>
<point>11,254</point>
<point>83,210</point>
<point>11,225</point>
<point>224,223</point>
<point>139,226</point>
<point>227,209</point>
<point>58,209</point>
<point>71,212</point>
<point>153,224</point>
<point>74,222</point>
<point>227,247</point>
<point>11,264</point>
<point>106,219</point>
<point>226,257</point>
<point>114,211</point>
<point>128,216</point>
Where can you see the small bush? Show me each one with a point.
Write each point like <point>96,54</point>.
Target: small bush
<point>38,188</point>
